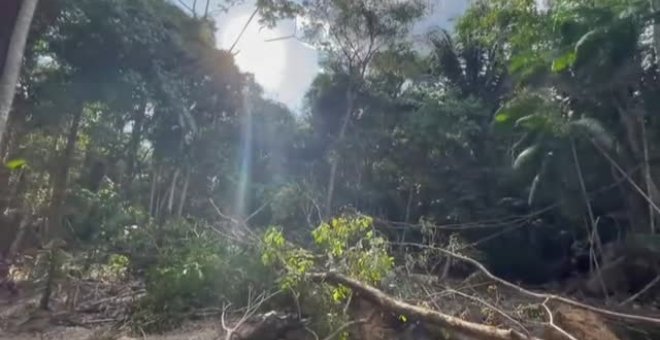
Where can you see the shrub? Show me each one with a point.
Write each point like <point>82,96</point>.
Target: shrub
<point>196,269</point>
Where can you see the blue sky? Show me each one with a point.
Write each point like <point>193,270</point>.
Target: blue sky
<point>286,68</point>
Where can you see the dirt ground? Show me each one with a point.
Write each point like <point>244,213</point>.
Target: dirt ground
<point>206,330</point>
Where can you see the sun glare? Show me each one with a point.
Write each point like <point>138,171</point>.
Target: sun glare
<point>266,60</point>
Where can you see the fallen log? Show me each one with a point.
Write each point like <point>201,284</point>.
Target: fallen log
<point>431,317</point>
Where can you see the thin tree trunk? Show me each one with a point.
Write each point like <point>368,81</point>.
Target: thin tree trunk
<point>44,302</point>
<point>411,194</point>
<point>334,162</point>
<point>12,67</point>
<point>594,237</point>
<point>634,130</point>
<point>134,146</point>
<point>170,202</point>
<point>8,13</point>
<point>655,6</point>
<point>8,147</point>
<point>12,133</point>
<point>206,9</point>
<point>152,196</point>
<point>184,193</point>
<point>20,235</point>
<point>647,175</point>
<point>61,179</point>
<point>640,208</point>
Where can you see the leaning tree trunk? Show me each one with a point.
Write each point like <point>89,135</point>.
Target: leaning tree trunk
<point>8,13</point>
<point>61,180</point>
<point>12,66</point>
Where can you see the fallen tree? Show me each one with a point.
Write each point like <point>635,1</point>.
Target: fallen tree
<point>454,324</point>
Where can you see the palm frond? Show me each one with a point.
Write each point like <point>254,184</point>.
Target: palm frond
<point>526,156</point>
<point>593,128</point>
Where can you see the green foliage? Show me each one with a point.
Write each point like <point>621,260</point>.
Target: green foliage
<point>564,62</point>
<point>16,164</point>
<point>296,262</point>
<point>103,218</point>
<point>346,244</point>
<point>196,270</point>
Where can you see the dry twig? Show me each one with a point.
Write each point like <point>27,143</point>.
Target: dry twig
<point>551,321</point>
<point>642,291</point>
<point>252,307</point>
<point>432,317</point>
<point>498,310</point>
<point>601,311</point>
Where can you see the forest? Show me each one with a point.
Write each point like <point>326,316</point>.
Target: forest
<point>493,181</point>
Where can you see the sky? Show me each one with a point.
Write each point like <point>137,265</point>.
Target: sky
<point>285,68</point>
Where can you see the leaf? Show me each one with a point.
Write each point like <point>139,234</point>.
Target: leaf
<point>16,164</point>
<point>564,62</point>
<point>588,45</point>
<point>532,189</point>
<point>502,117</point>
<point>518,107</point>
<point>532,122</point>
<point>594,129</point>
<point>526,156</point>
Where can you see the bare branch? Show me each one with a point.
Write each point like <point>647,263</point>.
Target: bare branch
<point>247,23</point>
<point>482,268</point>
<point>485,303</point>
<point>642,291</point>
<point>253,306</point>
<point>551,322</point>
<point>449,322</point>
<point>186,6</point>
<point>627,176</point>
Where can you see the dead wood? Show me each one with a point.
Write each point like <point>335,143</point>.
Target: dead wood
<point>551,297</point>
<point>431,317</point>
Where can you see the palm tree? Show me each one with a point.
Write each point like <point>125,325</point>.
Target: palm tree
<point>470,66</point>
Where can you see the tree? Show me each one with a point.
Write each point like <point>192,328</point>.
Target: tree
<point>351,33</point>
<point>13,60</point>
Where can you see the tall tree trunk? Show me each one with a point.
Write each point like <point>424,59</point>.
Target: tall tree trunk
<point>12,66</point>
<point>17,242</point>
<point>61,179</point>
<point>16,211</point>
<point>655,6</point>
<point>8,12</point>
<point>13,130</point>
<point>635,129</point>
<point>334,162</point>
<point>651,190</point>
<point>184,194</point>
<point>155,174</point>
<point>170,202</point>
<point>133,148</point>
